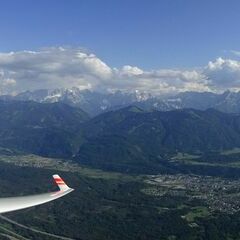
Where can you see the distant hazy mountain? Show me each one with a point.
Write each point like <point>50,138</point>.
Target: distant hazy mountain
<point>226,102</point>
<point>91,102</point>
<point>95,103</point>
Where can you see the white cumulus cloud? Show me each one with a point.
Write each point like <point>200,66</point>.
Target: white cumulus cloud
<point>59,67</point>
<point>223,74</point>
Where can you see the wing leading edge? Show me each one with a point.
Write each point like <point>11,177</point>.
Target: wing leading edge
<point>16,203</point>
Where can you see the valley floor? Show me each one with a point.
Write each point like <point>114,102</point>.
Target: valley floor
<point>109,205</point>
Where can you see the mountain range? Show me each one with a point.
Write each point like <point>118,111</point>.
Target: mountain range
<point>134,137</point>
<point>129,136</point>
<point>95,103</point>
<point>41,128</point>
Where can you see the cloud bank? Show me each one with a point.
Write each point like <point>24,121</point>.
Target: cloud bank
<point>67,67</point>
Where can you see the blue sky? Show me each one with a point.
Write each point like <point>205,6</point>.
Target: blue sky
<point>159,46</point>
<point>148,33</point>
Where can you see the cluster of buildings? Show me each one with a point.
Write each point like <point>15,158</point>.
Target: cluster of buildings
<point>218,194</point>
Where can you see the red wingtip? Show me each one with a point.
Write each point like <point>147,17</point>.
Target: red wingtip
<point>61,184</point>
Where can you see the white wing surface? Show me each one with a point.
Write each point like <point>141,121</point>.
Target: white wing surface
<point>17,203</point>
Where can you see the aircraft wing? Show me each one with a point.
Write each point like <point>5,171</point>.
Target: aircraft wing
<point>16,203</point>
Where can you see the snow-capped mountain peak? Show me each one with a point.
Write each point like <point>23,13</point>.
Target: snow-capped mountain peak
<point>95,102</point>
